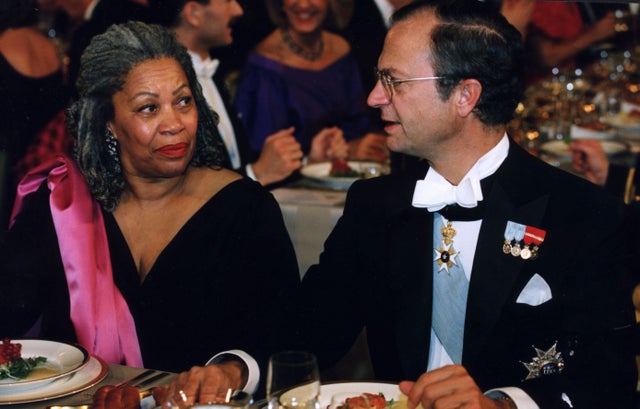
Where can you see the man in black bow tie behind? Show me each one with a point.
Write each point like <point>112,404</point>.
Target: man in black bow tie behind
<point>496,281</point>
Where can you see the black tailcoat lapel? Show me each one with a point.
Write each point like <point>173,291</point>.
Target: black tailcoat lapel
<point>413,259</point>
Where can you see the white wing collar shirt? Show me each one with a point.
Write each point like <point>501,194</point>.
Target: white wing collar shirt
<point>205,69</point>
<point>434,193</point>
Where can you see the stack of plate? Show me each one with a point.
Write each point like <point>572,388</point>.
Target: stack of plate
<point>68,369</point>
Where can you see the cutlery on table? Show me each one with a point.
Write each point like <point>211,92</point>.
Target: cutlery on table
<point>139,381</point>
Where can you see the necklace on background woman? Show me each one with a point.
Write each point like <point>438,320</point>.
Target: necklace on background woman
<point>297,48</point>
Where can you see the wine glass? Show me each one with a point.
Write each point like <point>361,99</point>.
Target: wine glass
<point>225,398</point>
<point>293,381</point>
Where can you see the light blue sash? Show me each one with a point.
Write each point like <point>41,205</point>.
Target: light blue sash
<point>449,299</point>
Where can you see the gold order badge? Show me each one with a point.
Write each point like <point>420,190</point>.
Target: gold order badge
<point>446,255</point>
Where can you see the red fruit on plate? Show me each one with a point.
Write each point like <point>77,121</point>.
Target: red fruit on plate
<point>9,352</point>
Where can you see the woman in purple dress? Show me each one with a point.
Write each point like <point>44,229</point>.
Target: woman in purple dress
<point>303,75</point>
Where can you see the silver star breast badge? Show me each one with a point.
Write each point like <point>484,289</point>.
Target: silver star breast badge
<point>547,362</point>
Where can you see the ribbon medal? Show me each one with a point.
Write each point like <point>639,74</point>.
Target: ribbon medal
<point>513,234</point>
<point>532,236</point>
<point>517,234</point>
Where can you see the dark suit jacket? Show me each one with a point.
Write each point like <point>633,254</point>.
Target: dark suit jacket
<point>376,272</point>
<point>365,33</point>
<point>242,141</point>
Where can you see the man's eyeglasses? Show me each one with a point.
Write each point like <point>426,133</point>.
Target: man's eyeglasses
<point>390,83</point>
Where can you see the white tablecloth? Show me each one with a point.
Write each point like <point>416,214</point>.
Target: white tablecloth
<point>309,215</point>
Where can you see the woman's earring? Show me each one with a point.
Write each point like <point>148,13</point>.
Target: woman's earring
<point>112,145</point>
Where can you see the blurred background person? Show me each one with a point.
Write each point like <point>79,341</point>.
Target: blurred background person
<point>517,12</point>
<point>303,75</point>
<point>590,160</point>
<point>365,33</point>
<point>174,236</point>
<point>203,25</point>
<point>92,17</point>
<point>559,32</point>
<point>31,85</point>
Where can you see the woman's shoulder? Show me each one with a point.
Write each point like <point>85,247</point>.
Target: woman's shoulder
<point>271,47</point>
<point>206,182</point>
<point>337,45</point>
<point>30,52</point>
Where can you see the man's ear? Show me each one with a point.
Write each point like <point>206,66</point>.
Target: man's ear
<point>468,94</point>
<point>191,12</point>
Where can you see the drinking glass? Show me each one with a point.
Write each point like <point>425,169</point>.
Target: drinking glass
<point>293,381</point>
<point>224,399</point>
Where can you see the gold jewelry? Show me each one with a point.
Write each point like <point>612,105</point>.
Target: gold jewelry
<point>446,255</point>
<point>297,48</point>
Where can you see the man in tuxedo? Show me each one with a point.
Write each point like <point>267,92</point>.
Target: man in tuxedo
<point>496,280</point>
<point>493,281</point>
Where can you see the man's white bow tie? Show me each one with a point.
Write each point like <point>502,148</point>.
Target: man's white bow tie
<point>206,69</point>
<point>435,192</point>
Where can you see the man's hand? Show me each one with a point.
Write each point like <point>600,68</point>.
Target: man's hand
<point>590,160</point>
<point>327,145</point>
<point>448,387</point>
<point>280,157</point>
<point>202,384</point>
<point>372,146</point>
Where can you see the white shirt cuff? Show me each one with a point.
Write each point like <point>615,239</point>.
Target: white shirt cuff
<point>517,395</point>
<point>252,366</point>
<point>249,170</point>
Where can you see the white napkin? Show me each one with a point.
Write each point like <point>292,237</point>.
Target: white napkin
<point>536,292</point>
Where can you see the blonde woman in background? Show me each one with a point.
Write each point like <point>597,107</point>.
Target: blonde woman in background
<point>303,75</point>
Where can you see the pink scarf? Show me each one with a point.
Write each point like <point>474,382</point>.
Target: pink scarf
<point>99,312</point>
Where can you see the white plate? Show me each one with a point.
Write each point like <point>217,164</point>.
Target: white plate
<point>389,390</point>
<point>580,132</point>
<point>62,360</point>
<point>327,391</point>
<point>319,173</point>
<point>562,150</point>
<point>92,373</point>
<point>623,121</point>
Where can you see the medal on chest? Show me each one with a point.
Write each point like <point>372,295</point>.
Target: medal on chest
<point>516,235</point>
<point>446,255</point>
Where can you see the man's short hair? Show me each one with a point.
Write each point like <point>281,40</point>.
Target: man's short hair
<point>473,40</point>
<point>167,12</point>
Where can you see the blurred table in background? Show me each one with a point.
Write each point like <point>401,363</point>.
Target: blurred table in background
<point>309,214</point>
<point>599,101</point>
